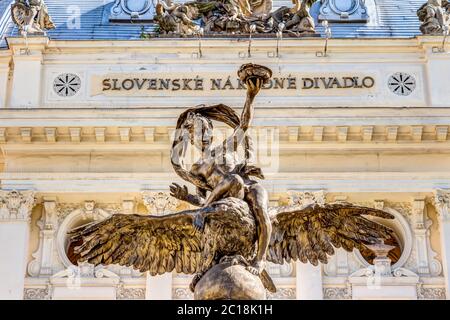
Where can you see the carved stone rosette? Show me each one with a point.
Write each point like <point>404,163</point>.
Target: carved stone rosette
<point>16,206</point>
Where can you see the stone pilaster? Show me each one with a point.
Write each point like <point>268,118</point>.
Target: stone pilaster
<point>159,203</point>
<point>421,235</point>
<point>309,281</point>
<point>442,204</point>
<point>309,278</point>
<point>26,82</point>
<point>42,264</point>
<point>4,74</point>
<point>15,215</point>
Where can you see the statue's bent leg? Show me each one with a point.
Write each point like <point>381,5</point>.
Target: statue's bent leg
<point>231,186</point>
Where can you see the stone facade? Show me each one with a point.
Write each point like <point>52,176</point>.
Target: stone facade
<point>367,124</point>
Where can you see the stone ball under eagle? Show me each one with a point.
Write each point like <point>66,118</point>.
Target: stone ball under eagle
<point>229,282</point>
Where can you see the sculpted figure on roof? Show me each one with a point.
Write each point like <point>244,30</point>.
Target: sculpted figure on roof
<point>31,16</point>
<point>435,17</point>
<point>234,17</point>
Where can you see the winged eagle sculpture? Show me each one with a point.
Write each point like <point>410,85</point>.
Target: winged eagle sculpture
<point>233,225</point>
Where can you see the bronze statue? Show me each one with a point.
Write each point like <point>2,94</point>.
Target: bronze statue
<point>31,16</point>
<point>227,240</point>
<point>435,17</point>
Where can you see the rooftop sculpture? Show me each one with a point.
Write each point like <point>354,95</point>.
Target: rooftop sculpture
<point>233,17</point>
<point>227,240</point>
<point>31,16</point>
<point>435,17</point>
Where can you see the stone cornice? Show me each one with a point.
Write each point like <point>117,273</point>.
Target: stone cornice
<point>181,49</point>
<point>410,137</point>
<point>225,42</point>
<point>87,182</point>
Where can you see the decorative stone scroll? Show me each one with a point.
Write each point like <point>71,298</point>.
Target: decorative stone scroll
<point>16,206</point>
<point>37,293</point>
<point>338,293</point>
<point>430,293</point>
<point>124,293</point>
<point>182,293</point>
<point>283,294</point>
<point>85,270</point>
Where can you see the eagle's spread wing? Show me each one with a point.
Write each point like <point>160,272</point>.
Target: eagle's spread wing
<point>310,232</point>
<point>148,243</point>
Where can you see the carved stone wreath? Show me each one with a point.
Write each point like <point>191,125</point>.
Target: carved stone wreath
<point>67,84</point>
<point>402,84</point>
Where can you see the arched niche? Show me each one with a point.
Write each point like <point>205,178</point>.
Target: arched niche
<point>75,219</point>
<point>403,233</point>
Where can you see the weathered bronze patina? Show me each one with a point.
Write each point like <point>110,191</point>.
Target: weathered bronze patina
<point>226,241</point>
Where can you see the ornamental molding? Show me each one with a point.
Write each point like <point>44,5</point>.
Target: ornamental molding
<point>430,293</point>
<point>159,203</point>
<point>283,294</point>
<point>285,270</point>
<point>442,204</point>
<point>16,205</point>
<point>342,134</point>
<point>338,293</point>
<point>371,272</point>
<point>128,293</point>
<point>182,293</point>
<point>303,198</point>
<point>37,293</point>
<point>75,276</point>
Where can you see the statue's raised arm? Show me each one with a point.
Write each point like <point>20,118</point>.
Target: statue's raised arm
<point>254,77</point>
